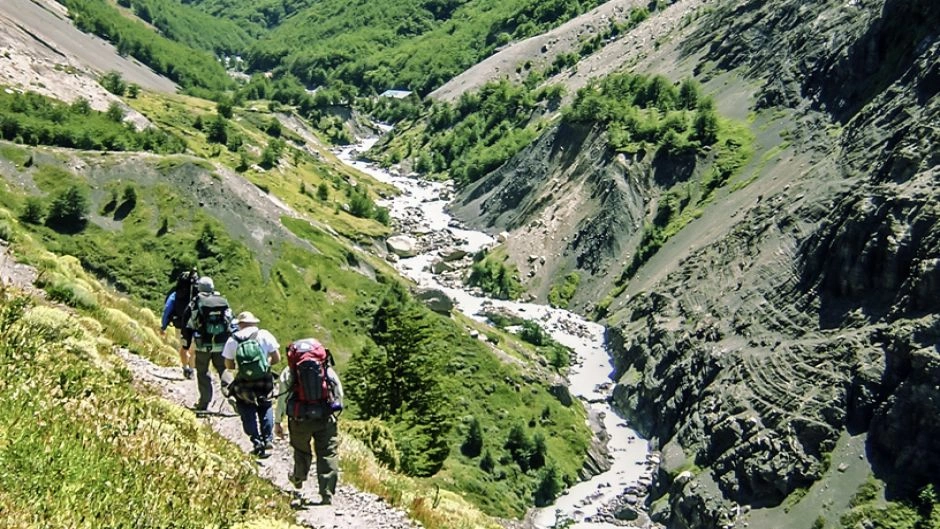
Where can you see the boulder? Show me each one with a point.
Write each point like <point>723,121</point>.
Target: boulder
<point>402,245</point>
<point>436,300</point>
<point>452,254</point>
<point>439,267</point>
<point>502,237</point>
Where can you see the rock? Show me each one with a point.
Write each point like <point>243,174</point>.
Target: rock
<point>402,245</point>
<point>452,254</point>
<point>559,390</point>
<point>439,267</point>
<point>436,300</point>
<point>502,237</point>
<point>627,513</point>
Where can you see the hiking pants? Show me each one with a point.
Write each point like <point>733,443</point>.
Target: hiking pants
<point>323,433</point>
<point>254,415</point>
<point>202,375</point>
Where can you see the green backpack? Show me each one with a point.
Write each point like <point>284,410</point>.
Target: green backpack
<point>250,358</point>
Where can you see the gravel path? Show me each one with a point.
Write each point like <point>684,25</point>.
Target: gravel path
<point>351,507</point>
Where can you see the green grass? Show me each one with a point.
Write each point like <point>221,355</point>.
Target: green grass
<point>561,293</point>
<point>95,452</point>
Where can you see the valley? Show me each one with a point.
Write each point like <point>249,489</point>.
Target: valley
<point>646,264</point>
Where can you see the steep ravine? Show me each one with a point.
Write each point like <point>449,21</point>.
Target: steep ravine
<point>796,326</point>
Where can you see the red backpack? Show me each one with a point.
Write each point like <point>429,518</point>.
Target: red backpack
<point>311,394</point>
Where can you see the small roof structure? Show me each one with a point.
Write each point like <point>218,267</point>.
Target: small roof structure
<point>396,94</point>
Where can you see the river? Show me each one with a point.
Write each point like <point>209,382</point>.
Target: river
<point>421,202</point>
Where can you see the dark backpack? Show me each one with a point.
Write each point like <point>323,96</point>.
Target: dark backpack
<point>312,394</point>
<point>185,289</point>
<point>212,319</point>
<point>250,358</point>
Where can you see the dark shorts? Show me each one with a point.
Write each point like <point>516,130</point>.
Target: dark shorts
<point>186,337</point>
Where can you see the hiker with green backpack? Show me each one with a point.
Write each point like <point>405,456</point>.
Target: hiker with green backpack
<point>210,320</point>
<point>252,351</point>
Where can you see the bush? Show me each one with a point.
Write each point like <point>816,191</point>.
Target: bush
<point>68,210</point>
<point>33,211</point>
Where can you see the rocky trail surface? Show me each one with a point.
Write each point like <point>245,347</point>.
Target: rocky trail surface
<point>351,508</point>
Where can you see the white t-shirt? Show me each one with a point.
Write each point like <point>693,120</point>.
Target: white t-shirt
<point>267,341</point>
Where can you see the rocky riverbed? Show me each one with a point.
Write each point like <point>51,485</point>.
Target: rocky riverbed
<point>435,251</point>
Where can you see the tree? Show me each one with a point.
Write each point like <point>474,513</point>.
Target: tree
<point>539,451</point>
<point>68,210</point>
<point>473,444</point>
<point>689,94</point>
<point>133,90</point>
<point>519,446</point>
<point>705,125</point>
<point>323,192</point>
<point>216,131</point>
<point>549,487</point>
<point>225,107</point>
<point>115,113</point>
<point>487,464</point>
<point>113,82</point>
<point>33,211</point>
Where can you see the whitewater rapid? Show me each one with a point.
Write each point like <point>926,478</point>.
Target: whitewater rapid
<point>589,374</point>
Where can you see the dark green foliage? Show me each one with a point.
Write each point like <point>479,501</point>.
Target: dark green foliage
<point>383,44</point>
<point>549,487</point>
<point>34,210</point>
<point>560,294</point>
<point>519,446</point>
<point>473,444</point>
<point>323,192</point>
<point>187,66</point>
<point>640,110</point>
<point>38,120</point>
<point>113,82</point>
<point>68,210</point>
<point>487,463</point>
<point>399,380</point>
<point>557,354</point>
<point>271,153</point>
<point>225,107</point>
<point>217,130</point>
<point>115,113</point>
<point>496,278</point>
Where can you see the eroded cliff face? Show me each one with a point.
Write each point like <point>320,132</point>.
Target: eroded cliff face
<point>798,310</point>
<point>819,312</point>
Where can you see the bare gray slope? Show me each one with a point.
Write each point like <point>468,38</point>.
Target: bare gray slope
<point>516,60</point>
<point>45,28</point>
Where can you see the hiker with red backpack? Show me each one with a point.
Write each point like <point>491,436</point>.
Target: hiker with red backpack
<point>311,396</point>
<point>176,311</point>
<point>210,320</point>
<point>251,351</point>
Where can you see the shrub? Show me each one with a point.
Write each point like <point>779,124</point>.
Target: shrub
<point>68,209</point>
<point>33,211</point>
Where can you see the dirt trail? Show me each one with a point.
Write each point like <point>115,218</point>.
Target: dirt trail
<point>351,507</point>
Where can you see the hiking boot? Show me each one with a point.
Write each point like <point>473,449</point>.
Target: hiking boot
<point>295,481</point>
<point>269,444</point>
<point>188,372</point>
<point>260,452</point>
<point>326,499</point>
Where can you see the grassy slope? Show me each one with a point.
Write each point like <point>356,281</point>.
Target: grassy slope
<point>328,292</point>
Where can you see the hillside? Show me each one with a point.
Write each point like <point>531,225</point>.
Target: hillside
<point>743,192</point>
<point>256,199</point>
<point>775,329</point>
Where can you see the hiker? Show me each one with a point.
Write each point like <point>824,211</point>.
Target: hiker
<point>311,395</point>
<point>210,320</point>
<point>176,311</point>
<point>252,351</point>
